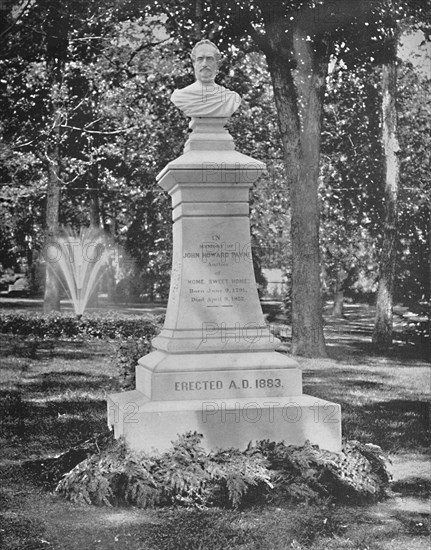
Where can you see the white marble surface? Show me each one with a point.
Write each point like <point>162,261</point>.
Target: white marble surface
<point>151,426</point>
<point>215,363</point>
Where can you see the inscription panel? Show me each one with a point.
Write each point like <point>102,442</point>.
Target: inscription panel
<point>225,276</point>
<point>227,384</point>
<point>217,292</point>
<point>216,284</point>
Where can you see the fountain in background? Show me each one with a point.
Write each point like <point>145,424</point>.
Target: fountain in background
<point>81,263</point>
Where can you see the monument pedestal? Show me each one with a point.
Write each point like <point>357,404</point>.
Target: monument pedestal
<point>215,369</point>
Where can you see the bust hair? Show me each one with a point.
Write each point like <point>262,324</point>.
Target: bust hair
<point>202,43</point>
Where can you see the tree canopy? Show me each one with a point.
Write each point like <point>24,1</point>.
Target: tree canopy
<point>309,73</point>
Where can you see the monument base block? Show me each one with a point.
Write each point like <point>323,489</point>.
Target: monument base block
<point>151,426</point>
<point>163,377</point>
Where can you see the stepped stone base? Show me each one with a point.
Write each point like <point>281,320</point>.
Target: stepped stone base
<point>151,426</point>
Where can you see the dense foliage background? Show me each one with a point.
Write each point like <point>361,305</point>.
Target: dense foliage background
<point>95,77</point>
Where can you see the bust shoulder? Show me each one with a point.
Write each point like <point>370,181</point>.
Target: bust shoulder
<point>206,100</point>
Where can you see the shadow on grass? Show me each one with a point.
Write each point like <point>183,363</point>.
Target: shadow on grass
<point>295,527</point>
<point>67,381</point>
<point>20,532</point>
<point>47,406</point>
<point>217,530</point>
<point>13,346</point>
<point>50,427</point>
<point>52,411</point>
<point>352,334</point>
<point>413,485</point>
<point>200,530</point>
<point>373,408</point>
<point>345,349</point>
<point>259,529</point>
<point>317,527</point>
<point>395,425</point>
<point>399,424</point>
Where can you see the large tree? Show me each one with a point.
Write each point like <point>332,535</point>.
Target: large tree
<point>405,15</point>
<point>56,30</point>
<point>382,335</point>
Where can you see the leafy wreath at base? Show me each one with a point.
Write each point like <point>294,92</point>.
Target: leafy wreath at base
<point>265,472</point>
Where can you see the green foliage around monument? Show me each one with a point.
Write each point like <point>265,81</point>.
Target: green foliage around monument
<point>126,355</point>
<point>188,476</point>
<point>108,325</point>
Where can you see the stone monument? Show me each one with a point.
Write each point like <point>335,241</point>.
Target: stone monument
<point>214,368</point>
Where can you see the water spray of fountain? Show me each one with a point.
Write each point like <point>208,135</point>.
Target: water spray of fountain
<point>83,259</point>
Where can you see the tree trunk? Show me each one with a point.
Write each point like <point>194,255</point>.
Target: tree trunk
<point>307,329</point>
<point>94,196</point>
<point>56,27</point>
<point>290,42</point>
<point>93,142</point>
<point>300,132</point>
<point>94,212</point>
<point>382,335</point>
<point>51,301</point>
<point>338,307</point>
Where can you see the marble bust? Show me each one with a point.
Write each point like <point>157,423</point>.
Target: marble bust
<point>205,98</point>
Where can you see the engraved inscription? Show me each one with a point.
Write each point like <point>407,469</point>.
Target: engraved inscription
<point>218,292</point>
<point>233,384</point>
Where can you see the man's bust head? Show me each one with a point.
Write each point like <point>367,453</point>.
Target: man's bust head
<point>205,98</point>
<point>205,58</point>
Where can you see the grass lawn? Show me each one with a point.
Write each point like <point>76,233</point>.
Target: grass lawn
<point>54,398</point>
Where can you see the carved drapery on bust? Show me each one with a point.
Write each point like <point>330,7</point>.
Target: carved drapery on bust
<point>205,98</point>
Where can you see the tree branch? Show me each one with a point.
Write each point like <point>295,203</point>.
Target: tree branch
<point>8,30</point>
<point>259,38</point>
<point>113,132</point>
<point>145,47</point>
